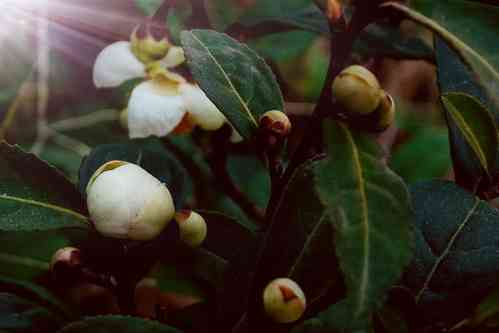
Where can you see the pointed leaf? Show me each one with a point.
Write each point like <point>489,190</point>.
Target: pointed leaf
<point>233,76</point>
<point>473,136</point>
<point>35,196</point>
<point>370,208</point>
<point>457,252</point>
<point>122,324</point>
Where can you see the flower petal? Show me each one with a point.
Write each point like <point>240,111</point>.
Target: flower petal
<point>203,112</point>
<point>116,64</point>
<point>174,57</point>
<point>155,109</point>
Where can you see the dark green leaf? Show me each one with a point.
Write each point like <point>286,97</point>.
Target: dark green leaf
<point>487,309</point>
<point>233,76</point>
<point>36,173</point>
<point>148,7</point>
<point>36,196</point>
<point>370,209</point>
<point>18,313</point>
<point>150,155</point>
<point>300,240</point>
<point>225,234</point>
<point>456,255</point>
<point>35,293</point>
<point>122,324</point>
<point>473,137</point>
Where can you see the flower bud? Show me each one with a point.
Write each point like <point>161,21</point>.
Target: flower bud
<point>149,43</point>
<point>192,227</point>
<point>386,112</point>
<point>127,202</point>
<point>284,301</point>
<point>276,122</point>
<point>357,90</point>
<point>68,256</point>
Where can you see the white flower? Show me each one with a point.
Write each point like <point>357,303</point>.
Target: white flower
<point>159,104</point>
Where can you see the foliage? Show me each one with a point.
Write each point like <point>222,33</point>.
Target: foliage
<point>383,231</point>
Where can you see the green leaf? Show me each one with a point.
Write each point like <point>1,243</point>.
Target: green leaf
<point>225,234</point>
<point>122,324</point>
<point>18,313</point>
<point>370,209</point>
<point>299,240</point>
<point>150,155</point>
<point>35,196</point>
<point>487,309</point>
<point>456,255</point>
<point>471,125</point>
<point>468,27</point>
<point>35,293</point>
<point>233,76</point>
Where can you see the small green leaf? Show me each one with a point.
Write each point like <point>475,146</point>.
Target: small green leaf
<point>233,76</point>
<point>470,124</point>
<point>122,324</point>
<point>370,209</point>
<point>456,254</point>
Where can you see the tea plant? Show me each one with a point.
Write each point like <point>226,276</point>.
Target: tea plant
<point>208,186</point>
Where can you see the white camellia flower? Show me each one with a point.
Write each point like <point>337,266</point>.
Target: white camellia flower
<point>158,105</point>
<point>125,201</point>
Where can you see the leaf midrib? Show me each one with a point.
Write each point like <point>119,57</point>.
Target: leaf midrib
<point>446,251</point>
<point>365,220</point>
<point>56,208</point>
<point>241,100</point>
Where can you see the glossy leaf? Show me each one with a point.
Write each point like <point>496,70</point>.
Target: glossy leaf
<point>456,255</point>
<point>299,245</point>
<point>370,209</point>
<point>148,154</point>
<point>233,76</point>
<point>122,324</point>
<point>473,137</point>
<point>35,196</point>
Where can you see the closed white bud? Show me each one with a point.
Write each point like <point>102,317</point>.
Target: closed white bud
<point>284,301</point>
<point>192,227</point>
<point>127,202</point>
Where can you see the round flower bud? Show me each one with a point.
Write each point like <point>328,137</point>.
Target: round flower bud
<point>149,43</point>
<point>67,256</point>
<point>276,122</point>
<point>357,90</point>
<point>192,227</point>
<point>284,301</point>
<point>386,112</point>
<point>127,202</point>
